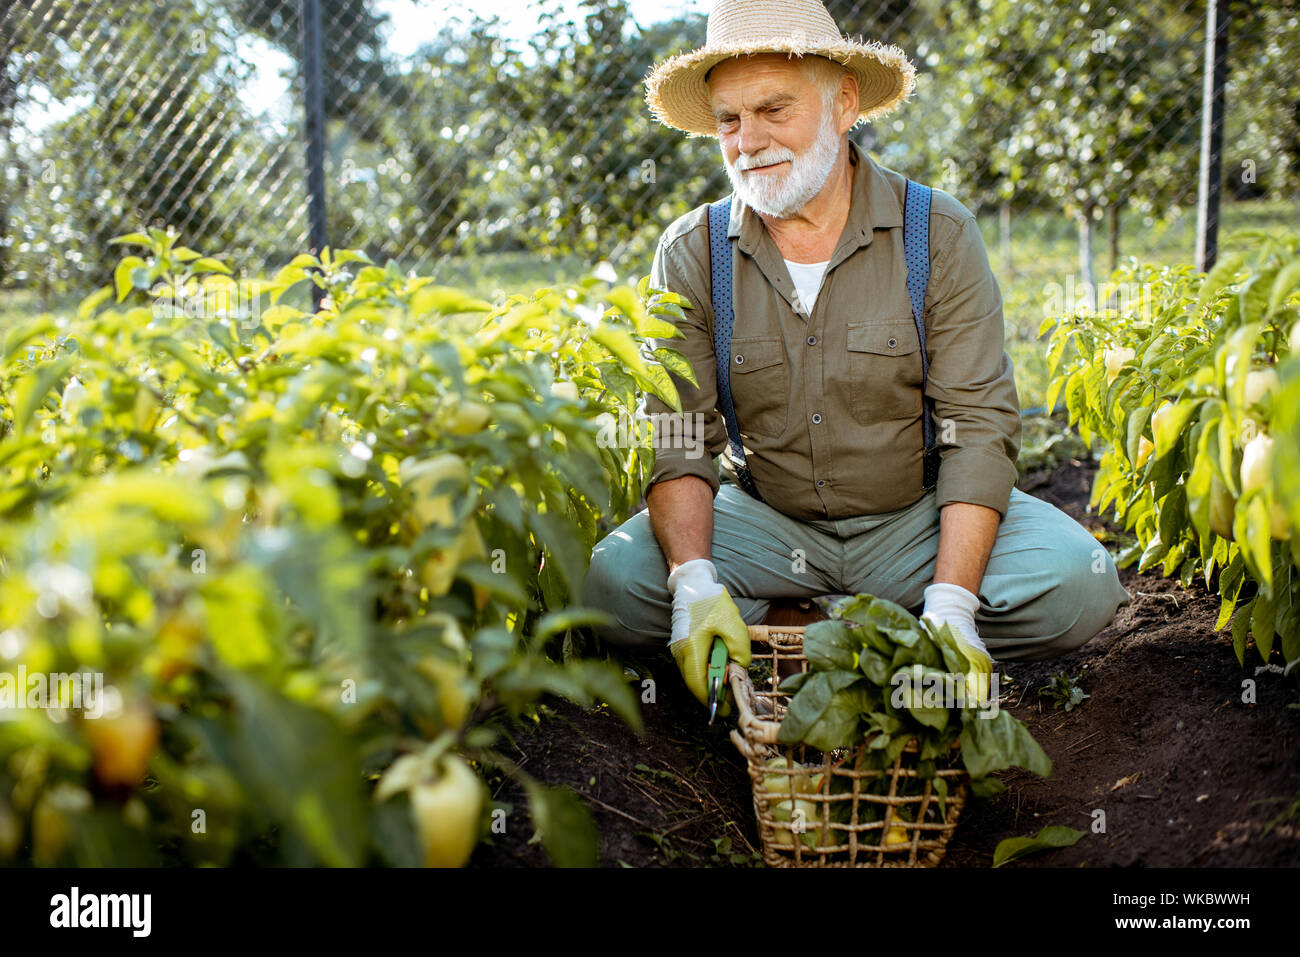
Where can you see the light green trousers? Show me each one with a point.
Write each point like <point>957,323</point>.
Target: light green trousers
<point>1049,585</point>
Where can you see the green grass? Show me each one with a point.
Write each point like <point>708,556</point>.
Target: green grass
<point>498,275</point>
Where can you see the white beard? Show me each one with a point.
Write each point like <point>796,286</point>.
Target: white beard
<point>784,195</point>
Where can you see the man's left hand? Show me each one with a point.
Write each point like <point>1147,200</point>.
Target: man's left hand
<point>952,605</point>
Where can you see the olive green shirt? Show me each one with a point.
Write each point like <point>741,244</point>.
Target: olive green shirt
<point>830,404</point>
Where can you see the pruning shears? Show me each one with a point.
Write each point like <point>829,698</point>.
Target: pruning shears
<point>716,677</point>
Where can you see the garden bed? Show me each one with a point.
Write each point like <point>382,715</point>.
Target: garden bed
<point>1185,773</point>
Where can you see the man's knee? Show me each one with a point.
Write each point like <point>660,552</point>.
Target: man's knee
<point>1084,600</point>
<point>627,579</point>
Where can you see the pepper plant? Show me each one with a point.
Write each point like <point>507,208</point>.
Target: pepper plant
<point>1190,391</point>
<point>317,558</point>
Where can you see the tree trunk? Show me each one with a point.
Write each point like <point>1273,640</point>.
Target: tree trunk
<point>1114,236</point>
<point>1004,228</point>
<point>1085,257</point>
<point>8,102</point>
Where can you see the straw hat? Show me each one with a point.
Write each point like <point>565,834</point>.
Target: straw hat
<point>679,96</point>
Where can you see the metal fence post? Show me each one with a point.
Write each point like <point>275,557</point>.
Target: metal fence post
<point>1211,184</point>
<point>314,104</point>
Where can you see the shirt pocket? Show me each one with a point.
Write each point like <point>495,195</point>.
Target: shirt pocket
<point>884,370</point>
<point>760,384</point>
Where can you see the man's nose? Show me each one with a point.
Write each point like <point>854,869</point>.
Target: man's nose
<point>752,138</point>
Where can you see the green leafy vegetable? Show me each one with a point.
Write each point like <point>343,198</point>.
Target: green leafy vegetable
<point>878,675</point>
<point>1048,839</point>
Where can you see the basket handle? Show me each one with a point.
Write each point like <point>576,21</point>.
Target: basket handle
<point>751,725</point>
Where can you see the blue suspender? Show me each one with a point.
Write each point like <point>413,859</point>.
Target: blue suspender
<point>916,253</point>
<point>723,321</point>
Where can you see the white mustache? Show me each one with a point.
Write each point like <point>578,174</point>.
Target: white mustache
<point>743,164</point>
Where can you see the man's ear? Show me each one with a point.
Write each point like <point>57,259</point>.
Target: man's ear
<point>846,101</point>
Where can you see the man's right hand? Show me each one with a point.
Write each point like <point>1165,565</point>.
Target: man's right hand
<point>702,611</point>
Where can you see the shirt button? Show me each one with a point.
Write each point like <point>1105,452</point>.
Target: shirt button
<point>812,340</point>
<point>740,360</point>
<point>892,342</point>
<point>821,482</point>
<point>817,418</point>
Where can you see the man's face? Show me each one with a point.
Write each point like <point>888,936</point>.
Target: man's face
<point>778,141</point>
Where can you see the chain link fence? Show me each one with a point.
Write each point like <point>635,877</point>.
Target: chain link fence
<point>520,144</point>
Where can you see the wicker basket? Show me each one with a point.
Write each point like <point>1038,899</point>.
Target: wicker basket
<point>847,809</point>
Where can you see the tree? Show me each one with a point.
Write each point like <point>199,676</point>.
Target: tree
<point>1262,123</point>
<point>155,139</point>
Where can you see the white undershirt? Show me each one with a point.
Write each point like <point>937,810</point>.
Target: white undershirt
<point>807,281</point>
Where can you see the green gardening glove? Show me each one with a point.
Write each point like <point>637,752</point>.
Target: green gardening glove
<point>702,611</point>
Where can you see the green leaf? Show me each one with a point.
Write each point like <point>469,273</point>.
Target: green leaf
<point>625,349</point>
<point>676,363</point>
<point>994,744</point>
<point>133,239</point>
<point>1229,601</point>
<point>1154,553</point>
<point>299,765</point>
<point>563,544</point>
<point>87,306</point>
<point>618,383</point>
<point>123,275</point>
<point>791,684</point>
<point>808,706</point>
<point>875,666</point>
<point>626,301</point>
<point>492,649</point>
<point>1136,427</point>
<point>1254,295</point>
<point>911,684</point>
<point>1198,484</point>
<point>34,387</point>
<point>1261,624</point>
<point>1225,269</point>
<point>831,645</point>
<point>564,825</point>
<point>1054,391</point>
<point>208,264</point>
<point>954,659</point>
<point>555,622</point>
<point>1173,516</point>
<point>20,334</point>
<point>446,301</point>
<point>393,833</point>
<point>656,379</point>
<point>1240,628</point>
<point>838,725</point>
<point>606,683</point>
<point>1258,532</point>
<point>1284,284</point>
<point>1173,423</point>
<point>886,623</point>
<point>656,329</point>
<point>1049,838</point>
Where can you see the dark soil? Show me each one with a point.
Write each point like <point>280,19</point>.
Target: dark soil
<point>1162,765</point>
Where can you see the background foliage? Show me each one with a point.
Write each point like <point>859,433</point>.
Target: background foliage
<point>483,144</point>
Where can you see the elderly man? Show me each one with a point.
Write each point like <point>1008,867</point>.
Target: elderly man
<point>836,386</point>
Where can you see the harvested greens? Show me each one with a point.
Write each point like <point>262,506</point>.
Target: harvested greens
<point>877,674</point>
